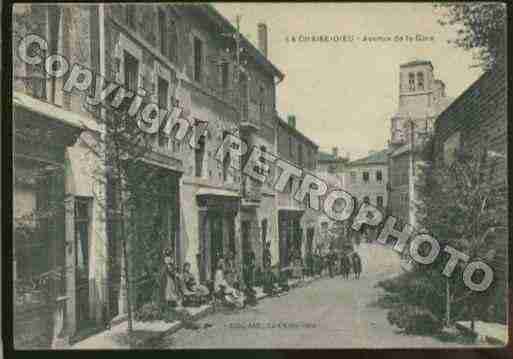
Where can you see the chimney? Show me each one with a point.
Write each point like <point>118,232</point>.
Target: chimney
<point>262,38</point>
<point>335,152</point>
<point>292,121</point>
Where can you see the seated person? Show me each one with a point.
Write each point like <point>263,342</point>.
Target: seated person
<point>193,293</point>
<point>230,294</point>
<point>249,269</point>
<point>297,270</point>
<point>270,283</point>
<point>229,270</point>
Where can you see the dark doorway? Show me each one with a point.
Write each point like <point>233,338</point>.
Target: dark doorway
<point>199,156</point>
<point>310,232</point>
<point>309,240</point>
<point>283,247</point>
<point>264,235</point>
<point>299,238</point>
<point>246,240</point>
<point>216,239</point>
<point>82,233</point>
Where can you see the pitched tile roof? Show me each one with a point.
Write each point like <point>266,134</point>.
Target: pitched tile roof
<point>375,158</point>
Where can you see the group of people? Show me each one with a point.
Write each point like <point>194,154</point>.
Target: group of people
<point>332,261</point>
<point>180,288</point>
<point>348,262</point>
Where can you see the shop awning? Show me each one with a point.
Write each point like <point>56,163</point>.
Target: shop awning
<point>51,111</point>
<point>217,192</point>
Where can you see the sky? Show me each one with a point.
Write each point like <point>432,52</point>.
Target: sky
<point>343,93</point>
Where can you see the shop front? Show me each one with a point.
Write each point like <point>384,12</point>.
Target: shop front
<point>291,236</point>
<point>151,224</point>
<point>217,228</point>
<point>41,237</point>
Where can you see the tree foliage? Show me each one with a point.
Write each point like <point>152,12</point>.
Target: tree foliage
<point>135,193</point>
<point>480,27</point>
<point>455,206</point>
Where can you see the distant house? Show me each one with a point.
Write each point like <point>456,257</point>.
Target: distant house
<point>366,179</point>
<point>297,221</point>
<point>332,162</point>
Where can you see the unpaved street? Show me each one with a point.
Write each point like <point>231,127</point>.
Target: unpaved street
<point>330,312</point>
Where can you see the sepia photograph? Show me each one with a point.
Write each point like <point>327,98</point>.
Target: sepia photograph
<point>257,176</point>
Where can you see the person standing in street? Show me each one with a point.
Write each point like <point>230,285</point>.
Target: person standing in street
<point>357,265</point>
<point>267,256</point>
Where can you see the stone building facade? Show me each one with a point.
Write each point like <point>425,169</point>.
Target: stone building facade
<point>421,98</point>
<point>330,168</point>
<point>366,179</point>
<point>183,56</point>
<point>477,119</point>
<point>178,57</point>
<point>332,163</point>
<point>53,130</point>
<point>298,225</point>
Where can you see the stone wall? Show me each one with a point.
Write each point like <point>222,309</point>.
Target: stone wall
<point>479,114</point>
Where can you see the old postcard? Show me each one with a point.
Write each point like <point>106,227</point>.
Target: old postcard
<point>259,175</point>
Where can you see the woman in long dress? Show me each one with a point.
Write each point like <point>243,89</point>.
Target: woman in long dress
<point>231,295</point>
<point>170,285</point>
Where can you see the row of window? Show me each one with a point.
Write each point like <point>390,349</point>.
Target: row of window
<point>302,154</point>
<point>366,176</point>
<point>167,31</point>
<point>169,47</point>
<point>419,84</point>
<point>131,73</point>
